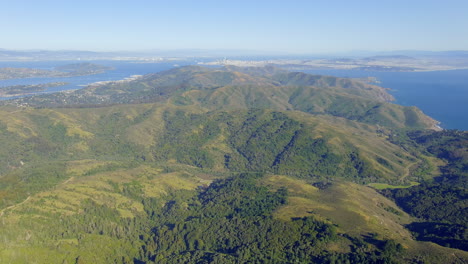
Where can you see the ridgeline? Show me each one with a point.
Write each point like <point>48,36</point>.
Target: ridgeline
<point>228,165</point>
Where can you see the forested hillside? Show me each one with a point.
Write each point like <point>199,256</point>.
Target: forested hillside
<point>231,165</point>
<point>234,88</point>
<point>441,204</point>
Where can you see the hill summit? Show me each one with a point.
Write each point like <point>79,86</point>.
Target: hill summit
<point>228,165</point>
<point>233,87</point>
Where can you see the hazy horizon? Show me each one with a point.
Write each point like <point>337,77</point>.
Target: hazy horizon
<point>243,53</point>
<point>298,27</point>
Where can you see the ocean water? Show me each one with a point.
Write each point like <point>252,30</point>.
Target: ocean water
<point>443,95</point>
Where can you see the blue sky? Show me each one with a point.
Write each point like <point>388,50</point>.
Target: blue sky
<point>294,26</point>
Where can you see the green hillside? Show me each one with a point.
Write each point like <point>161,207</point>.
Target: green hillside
<point>234,165</point>
<point>234,88</point>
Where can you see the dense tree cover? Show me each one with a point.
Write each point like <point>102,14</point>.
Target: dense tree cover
<point>238,141</point>
<point>444,234</point>
<point>438,201</point>
<point>258,141</point>
<point>443,207</point>
<point>450,145</point>
<point>33,158</point>
<point>442,202</point>
<point>231,222</point>
<point>43,138</point>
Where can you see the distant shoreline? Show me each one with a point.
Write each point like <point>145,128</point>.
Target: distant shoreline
<point>70,70</point>
<point>327,65</point>
<point>22,90</point>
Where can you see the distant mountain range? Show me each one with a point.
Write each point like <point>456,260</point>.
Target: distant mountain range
<point>50,55</point>
<point>15,55</point>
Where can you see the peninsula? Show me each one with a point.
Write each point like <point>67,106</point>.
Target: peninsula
<point>70,70</point>
<point>19,90</point>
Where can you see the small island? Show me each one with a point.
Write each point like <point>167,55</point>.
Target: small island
<point>20,90</point>
<point>69,70</point>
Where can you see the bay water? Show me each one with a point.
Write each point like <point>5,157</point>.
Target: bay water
<point>443,95</point>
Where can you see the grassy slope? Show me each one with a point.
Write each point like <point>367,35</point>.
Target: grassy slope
<point>234,88</point>
<point>25,225</point>
<point>40,142</point>
<point>92,166</point>
<point>69,134</point>
<point>331,101</point>
<point>357,210</point>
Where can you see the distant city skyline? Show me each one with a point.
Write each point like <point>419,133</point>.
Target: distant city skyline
<point>268,26</point>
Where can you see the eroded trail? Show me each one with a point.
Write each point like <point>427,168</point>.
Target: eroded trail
<point>13,206</point>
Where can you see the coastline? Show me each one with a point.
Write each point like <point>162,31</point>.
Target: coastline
<point>24,90</point>
<point>124,80</point>
<point>301,65</point>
